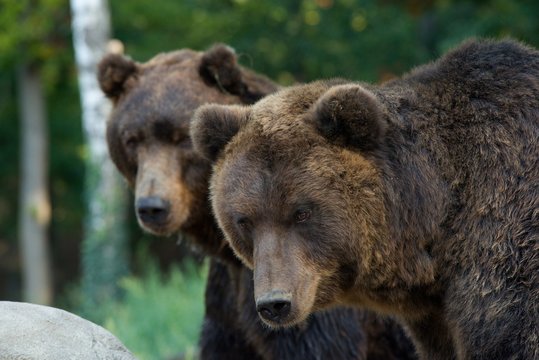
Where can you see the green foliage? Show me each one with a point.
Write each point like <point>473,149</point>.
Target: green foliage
<point>160,315</point>
<point>36,32</point>
<point>66,158</point>
<point>9,153</point>
<point>290,41</point>
<point>104,249</point>
<point>447,23</point>
<point>310,39</point>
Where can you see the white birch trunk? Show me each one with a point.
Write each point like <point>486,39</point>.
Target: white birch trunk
<point>104,257</point>
<point>34,205</point>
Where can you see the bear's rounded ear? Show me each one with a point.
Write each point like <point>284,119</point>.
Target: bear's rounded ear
<point>219,67</point>
<point>213,126</point>
<point>350,115</point>
<point>113,73</point>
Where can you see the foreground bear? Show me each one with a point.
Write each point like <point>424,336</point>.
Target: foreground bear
<point>148,137</point>
<point>418,198</point>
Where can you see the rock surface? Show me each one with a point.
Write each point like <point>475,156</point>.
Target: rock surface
<point>29,331</point>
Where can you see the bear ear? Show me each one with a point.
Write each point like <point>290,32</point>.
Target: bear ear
<point>113,73</point>
<point>219,67</point>
<point>213,126</point>
<point>350,115</point>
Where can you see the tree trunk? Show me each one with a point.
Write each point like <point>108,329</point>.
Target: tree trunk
<point>34,205</point>
<point>104,257</point>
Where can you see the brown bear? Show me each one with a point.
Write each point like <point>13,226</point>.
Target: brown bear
<point>418,198</point>
<point>148,138</point>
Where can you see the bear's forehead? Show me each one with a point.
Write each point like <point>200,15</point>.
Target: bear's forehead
<point>278,149</point>
<point>168,90</point>
<point>277,134</point>
<point>173,78</point>
<point>279,129</point>
<point>259,180</point>
<point>276,157</point>
<point>287,110</point>
<point>275,144</point>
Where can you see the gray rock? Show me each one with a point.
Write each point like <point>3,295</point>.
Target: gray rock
<point>32,332</point>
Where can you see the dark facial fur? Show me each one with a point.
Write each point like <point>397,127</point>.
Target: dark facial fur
<point>148,133</point>
<point>278,168</point>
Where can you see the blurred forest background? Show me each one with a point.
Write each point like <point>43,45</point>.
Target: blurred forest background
<point>160,296</point>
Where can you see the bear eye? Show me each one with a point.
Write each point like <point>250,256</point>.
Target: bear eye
<point>181,139</point>
<point>302,215</point>
<point>243,223</point>
<point>131,142</point>
<point>178,137</point>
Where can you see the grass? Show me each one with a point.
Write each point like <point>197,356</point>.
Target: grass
<point>159,316</point>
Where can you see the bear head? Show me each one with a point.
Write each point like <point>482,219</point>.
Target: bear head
<point>148,130</point>
<point>298,193</point>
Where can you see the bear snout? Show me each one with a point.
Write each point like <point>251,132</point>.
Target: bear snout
<point>274,306</point>
<point>152,211</point>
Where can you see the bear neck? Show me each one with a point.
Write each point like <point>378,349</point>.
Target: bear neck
<point>415,197</point>
<point>415,203</point>
<point>206,237</point>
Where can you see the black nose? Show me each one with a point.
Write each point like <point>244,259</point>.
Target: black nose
<point>273,309</point>
<point>152,210</point>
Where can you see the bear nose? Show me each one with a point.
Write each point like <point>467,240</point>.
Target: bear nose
<point>274,307</point>
<point>152,210</point>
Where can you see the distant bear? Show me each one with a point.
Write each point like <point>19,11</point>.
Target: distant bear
<point>148,138</point>
<point>418,198</point>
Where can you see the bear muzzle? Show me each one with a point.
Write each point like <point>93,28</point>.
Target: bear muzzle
<point>152,211</point>
<point>274,306</point>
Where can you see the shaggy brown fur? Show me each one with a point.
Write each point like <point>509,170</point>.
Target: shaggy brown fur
<point>149,142</point>
<point>418,198</point>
